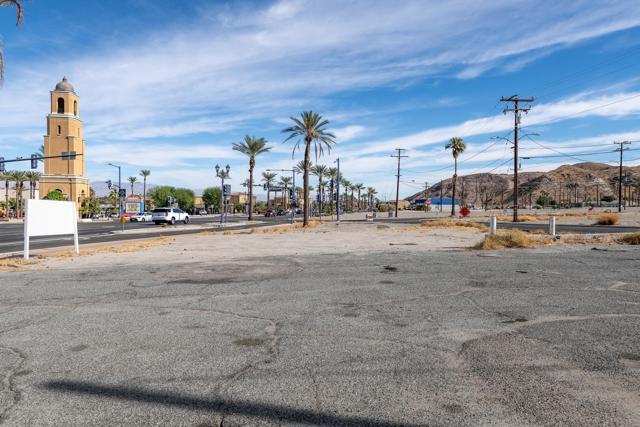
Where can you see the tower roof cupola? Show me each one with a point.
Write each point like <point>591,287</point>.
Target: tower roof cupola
<point>64,86</point>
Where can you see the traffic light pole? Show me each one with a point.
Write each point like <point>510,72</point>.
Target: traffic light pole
<point>119,187</point>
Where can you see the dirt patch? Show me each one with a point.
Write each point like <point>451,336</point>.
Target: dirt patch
<point>249,342</point>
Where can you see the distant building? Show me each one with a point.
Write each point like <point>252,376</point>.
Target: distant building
<point>240,198</point>
<point>64,138</point>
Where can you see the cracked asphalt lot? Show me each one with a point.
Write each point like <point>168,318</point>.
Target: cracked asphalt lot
<point>547,337</point>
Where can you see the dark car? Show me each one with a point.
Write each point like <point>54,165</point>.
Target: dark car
<point>270,212</point>
<point>281,212</point>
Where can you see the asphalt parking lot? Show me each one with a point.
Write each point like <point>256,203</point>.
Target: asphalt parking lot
<point>546,337</point>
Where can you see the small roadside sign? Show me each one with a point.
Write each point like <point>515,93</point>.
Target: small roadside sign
<point>464,211</point>
<point>226,190</point>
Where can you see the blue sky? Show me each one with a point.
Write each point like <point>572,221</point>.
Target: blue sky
<point>168,86</point>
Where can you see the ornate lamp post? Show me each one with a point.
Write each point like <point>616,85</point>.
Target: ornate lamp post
<point>222,174</point>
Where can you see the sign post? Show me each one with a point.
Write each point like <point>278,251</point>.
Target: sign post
<point>50,218</point>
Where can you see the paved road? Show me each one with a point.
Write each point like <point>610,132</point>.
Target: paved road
<point>12,237</point>
<point>511,338</point>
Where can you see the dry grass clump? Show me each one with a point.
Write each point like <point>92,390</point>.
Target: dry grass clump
<point>14,264</point>
<point>132,246</point>
<point>509,239</point>
<point>521,218</point>
<point>451,223</point>
<point>279,229</point>
<point>631,239</point>
<point>607,219</point>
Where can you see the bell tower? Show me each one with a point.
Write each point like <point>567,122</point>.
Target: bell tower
<point>64,138</point>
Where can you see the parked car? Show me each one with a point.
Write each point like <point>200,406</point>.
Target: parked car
<point>299,211</point>
<point>142,217</point>
<point>270,212</point>
<point>169,215</point>
<point>114,215</point>
<point>202,212</point>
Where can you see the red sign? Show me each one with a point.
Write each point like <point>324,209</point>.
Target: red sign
<point>464,211</point>
<point>428,201</point>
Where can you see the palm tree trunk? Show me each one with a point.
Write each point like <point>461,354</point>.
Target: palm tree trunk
<point>307,158</point>
<point>453,197</point>
<point>144,193</point>
<point>251,165</point>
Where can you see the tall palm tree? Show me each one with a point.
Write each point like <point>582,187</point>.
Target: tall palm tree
<point>332,173</point>
<point>268,178</point>
<point>144,173</point>
<point>310,128</point>
<point>252,147</point>
<point>132,180</point>
<point>18,6</point>
<point>19,177</point>
<point>457,147</point>
<point>320,171</point>
<point>33,177</point>
<point>285,183</point>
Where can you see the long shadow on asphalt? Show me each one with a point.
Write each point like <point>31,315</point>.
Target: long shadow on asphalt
<point>222,406</point>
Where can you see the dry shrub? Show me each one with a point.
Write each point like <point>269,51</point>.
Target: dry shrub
<point>130,246</point>
<point>607,219</point>
<point>631,239</point>
<point>449,223</point>
<point>509,239</point>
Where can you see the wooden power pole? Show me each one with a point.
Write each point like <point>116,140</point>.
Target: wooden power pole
<point>399,156</point>
<point>621,149</point>
<point>516,123</point>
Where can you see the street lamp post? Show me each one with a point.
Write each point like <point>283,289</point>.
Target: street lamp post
<point>222,174</point>
<point>119,187</point>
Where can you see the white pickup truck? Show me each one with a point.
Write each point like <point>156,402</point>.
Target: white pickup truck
<point>169,215</point>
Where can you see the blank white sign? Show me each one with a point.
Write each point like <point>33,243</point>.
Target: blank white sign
<point>49,218</point>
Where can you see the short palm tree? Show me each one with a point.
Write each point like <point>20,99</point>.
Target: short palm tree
<point>252,147</point>
<point>33,177</point>
<point>309,128</point>
<point>359,187</point>
<point>370,194</point>
<point>6,177</point>
<point>457,147</point>
<point>144,173</point>
<point>18,6</point>
<point>268,178</point>
<point>19,177</point>
<point>345,184</point>
<point>132,180</point>
<point>285,183</point>
<point>320,171</point>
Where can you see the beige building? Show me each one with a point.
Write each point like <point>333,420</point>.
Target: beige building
<point>64,138</point>
<point>240,198</point>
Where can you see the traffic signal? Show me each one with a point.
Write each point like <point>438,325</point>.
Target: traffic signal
<point>264,187</point>
<point>34,161</point>
<point>122,193</point>
<point>292,194</point>
<point>109,185</point>
<point>1,164</point>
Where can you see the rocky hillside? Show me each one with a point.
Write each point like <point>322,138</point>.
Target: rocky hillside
<point>578,183</point>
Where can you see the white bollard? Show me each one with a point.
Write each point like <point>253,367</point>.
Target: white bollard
<point>552,226</point>
<point>493,226</point>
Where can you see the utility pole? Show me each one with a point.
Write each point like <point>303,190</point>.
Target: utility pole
<point>621,149</point>
<point>516,123</point>
<point>426,188</point>
<point>399,156</point>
